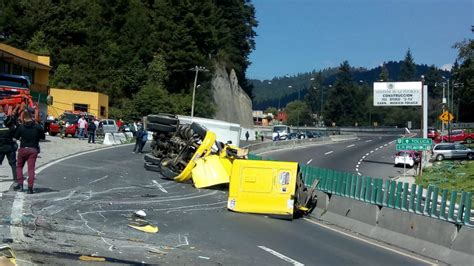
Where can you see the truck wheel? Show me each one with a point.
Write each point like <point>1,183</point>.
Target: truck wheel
<point>162,119</point>
<point>155,127</point>
<point>470,156</point>
<point>468,140</point>
<point>439,157</point>
<point>152,167</point>
<point>199,130</point>
<point>152,159</point>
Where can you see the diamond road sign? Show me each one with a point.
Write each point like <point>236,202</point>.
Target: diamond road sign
<point>415,144</point>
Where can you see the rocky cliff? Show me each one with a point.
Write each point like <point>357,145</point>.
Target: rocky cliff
<point>232,103</point>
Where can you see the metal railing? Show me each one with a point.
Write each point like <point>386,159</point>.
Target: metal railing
<point>436,203</point>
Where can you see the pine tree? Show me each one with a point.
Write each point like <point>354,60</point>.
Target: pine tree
<point>408,68</point>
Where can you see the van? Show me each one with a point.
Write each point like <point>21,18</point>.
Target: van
<point>452,151</point>
<point>109,126</point>
<point>281,132</point>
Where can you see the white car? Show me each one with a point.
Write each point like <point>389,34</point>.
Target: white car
<point>405,158</point>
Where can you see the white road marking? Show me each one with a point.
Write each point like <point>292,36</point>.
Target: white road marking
<point>358,163</point>
<point>100,179</point>
<point>309,161</point>
<point>370,242</point>
<point>367,154</point>
<point>385,145</point>
<point>160,187</point>
<point>372,151</point>
<point>359,173</point>
<point>376,149</point>
<point>368,140</point>
<point>352,145</point>
<point>363,157</point>
<point>329,152</point>
<point>205,258</point>
<point>281,256</point>
<point>380,147</point>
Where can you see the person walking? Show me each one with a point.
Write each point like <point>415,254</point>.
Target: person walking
<point>144,138</point>
<point>91,127</point>
<point>8,146</point>
<point>82,126</point>
<point>247,135</point>
<point>29,134</point>
<point>138,139</point>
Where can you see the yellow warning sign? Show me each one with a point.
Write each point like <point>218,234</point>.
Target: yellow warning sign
<point>446,117</point>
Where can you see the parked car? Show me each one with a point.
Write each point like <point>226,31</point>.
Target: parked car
<point>459,135</point>
<point>109,126</point>
<point>433,133</point>
<point>443,151</point>
<point>409,158</point>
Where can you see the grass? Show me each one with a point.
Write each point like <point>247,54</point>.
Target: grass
<point>451,175</point>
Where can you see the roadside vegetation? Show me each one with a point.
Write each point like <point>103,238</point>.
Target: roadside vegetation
<point>451,175</point>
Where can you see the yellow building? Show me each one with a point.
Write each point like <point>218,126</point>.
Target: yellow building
<point>73,100</point>
<point>35,67</point>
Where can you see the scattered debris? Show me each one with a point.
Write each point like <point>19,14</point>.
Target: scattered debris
<point>7,256</point>
<point>157,251</point>
<point>7,240</point>
<point>91,258</point>
<point>144,226</point>
<point>140,214</point>
<point>205,258</point>
<point>134,239</point>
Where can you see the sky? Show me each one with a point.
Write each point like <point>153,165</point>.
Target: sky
<point>297,36</point>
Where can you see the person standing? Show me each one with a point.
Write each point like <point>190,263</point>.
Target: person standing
<point>8,146</point>
<point>82,126</point>
<point>247,135</point>
<point>144,138</point>
<point>29,134</point>
<point>138,139</point>
<point>91,127</point>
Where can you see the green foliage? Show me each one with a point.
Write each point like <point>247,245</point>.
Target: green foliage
<point>126,47</point>
<point>299,113</point>
<point>271,110</point>
<point>408,68</point>
<point>463,77</point>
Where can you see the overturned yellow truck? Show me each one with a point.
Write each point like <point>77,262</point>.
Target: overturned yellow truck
<point>190,153</point>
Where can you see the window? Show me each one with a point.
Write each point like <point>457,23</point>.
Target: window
<point>4,67</point>
<point>102,111</point>
<point>80,107</point>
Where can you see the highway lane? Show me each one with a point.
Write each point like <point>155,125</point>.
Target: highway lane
<point>86,203</point>
<point>369,156</point>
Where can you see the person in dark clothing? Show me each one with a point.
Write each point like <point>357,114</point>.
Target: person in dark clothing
<point>8,146</point>
<point>138,140</point>
<point>29,134</point>
<point>91,131</point>
<point>247,135</point>
<point>143,141</point>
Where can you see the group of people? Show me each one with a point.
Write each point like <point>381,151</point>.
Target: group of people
<point>29,133</point>
<point>90,126</point>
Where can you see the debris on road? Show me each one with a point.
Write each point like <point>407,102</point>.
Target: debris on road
<point>140,214</point>
<point>144,226</point>
<point>7,256</point>
<point>91,258</point>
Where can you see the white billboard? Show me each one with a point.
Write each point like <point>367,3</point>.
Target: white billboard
<point>397,93</point>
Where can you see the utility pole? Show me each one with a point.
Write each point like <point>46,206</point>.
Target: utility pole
<point>196,69</point>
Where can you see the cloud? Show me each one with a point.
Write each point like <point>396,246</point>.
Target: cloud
<point>447,67</point>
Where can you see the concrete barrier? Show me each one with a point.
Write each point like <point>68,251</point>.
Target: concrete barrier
<point>119,138</point>
<point>433,238</point>
<point>338,138</point>
<point>109,139</point>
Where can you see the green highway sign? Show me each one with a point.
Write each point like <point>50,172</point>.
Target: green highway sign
<point>414,147</point>
<point>415,141</point>
<point>414,144</point>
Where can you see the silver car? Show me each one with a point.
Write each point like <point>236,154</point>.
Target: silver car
<point>443,151</point>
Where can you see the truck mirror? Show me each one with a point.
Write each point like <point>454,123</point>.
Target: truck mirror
<point>49,100</point>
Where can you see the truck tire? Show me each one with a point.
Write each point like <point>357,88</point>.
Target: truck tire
<point>152,159</point>
<point>168,173</point>
<point>162,119</point>
<point>156,127</point>
<point>152,167</point>
<point>199,130</point>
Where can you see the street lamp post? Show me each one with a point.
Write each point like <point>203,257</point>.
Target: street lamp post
<point>196,69</point>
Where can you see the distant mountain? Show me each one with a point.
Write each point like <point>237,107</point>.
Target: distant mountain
<point>277,93</point>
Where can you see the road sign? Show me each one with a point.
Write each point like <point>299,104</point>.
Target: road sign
<point>415,144</point>
<point>446,117</point>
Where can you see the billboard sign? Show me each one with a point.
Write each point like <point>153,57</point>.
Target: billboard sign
<point>397,93</point>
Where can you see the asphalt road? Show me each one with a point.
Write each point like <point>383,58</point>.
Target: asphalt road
<point>85,204</point>
<point>368,156</point>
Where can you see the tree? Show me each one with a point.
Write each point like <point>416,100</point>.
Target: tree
<point>464,77</point>
<point>384,75</point>
<point>408,68</point>
<point>313,97</point>
<point>271,110</point>
<point>298,113</point>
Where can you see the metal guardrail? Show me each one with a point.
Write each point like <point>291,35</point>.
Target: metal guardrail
<point>392,194</point>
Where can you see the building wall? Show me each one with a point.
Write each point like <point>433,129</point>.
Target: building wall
<point>65,100</point>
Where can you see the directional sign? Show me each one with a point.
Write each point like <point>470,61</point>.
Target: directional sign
<point>446,117</point>
<point>415,144</point>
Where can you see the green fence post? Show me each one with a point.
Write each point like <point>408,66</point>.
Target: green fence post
<point>427,210</point>
<point>379,192</point>
<point>452,205</point>
<point>412,198</point>
<point>358,186</point>
<point>419,196</point>
<point>467,209</point>
<point>461,207</point>
<point>434,203</point>
<point>391,196</point>
<point>362,188</point>
<point>324,175</point>
<point>373,192</point>
<point>353,185</point>
<point>398,195</point>
<point>368,188</point>
<point>405,197</point>
<point>347,189</point>
<point>334,182</point>
<point>340,183</point>
<point>386,189</point>
<point>442,209</point>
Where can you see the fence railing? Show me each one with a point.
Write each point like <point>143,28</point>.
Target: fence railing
<point>436,203</point>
